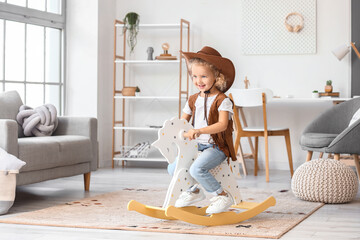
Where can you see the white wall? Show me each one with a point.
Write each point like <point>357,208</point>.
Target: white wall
<point>214,23</point>
<point>218,24</point>
<point>81,58</point>
<point>105,76</point>
<point>89,66</point>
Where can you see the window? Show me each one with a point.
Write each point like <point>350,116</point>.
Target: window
<point>32,50</point>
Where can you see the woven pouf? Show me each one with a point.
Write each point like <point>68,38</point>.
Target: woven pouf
<point>325,180</point>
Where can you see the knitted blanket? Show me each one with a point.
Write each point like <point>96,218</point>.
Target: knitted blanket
<point>41,121</point>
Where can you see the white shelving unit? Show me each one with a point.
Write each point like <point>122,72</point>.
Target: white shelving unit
<point>147,97</point>
<point>162,26</point>
<point>120,126</point>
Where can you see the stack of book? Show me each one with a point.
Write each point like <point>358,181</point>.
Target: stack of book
<point>165,57</point>
<point>329,95</point>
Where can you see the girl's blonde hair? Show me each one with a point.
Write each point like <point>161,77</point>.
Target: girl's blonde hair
<point>220,82</point>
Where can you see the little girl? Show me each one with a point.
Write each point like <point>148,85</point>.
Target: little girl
<point>211,112</point>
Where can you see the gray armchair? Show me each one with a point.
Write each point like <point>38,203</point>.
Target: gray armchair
<point>71,150</point>
<point>331,133</point>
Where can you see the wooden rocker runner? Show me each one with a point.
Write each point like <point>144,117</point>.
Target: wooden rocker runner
<point>187,151</point>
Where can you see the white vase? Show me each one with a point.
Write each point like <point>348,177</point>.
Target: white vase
<point>7,190</point>
<point>315,95</point>
<point>137,94</point>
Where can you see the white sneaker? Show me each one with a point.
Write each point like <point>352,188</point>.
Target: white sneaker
<point>220,204</point>
<point>188,198</point>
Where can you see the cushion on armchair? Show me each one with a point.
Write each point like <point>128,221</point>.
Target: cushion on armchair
<point>317,140</point>
<point>41,121</point>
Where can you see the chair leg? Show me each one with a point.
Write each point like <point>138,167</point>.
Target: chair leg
<point>242,160</point>
<point>267,158</point>
<point>288,148</point>
<point>329,155</point>
<point>251,146</point>
<point>321,155</point>
<point>357,165</point>
<point>337,156</point>
<point>256,150</point>
<point>237,143</point>
<point>309,156</point>
<point>87,181</point>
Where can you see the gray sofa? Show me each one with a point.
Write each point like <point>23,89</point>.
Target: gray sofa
<point>71,150</point>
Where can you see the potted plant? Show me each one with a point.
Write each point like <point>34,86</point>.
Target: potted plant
<point>315,94</point>
<point>131,24</point>
<point>328,87</point>
<point>137,91</point>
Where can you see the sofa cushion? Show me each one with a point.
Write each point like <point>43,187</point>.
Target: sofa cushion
<point>10,103</point>
<point>317,140</point>
<point>54,151</point>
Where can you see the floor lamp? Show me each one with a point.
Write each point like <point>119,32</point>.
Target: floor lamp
<point>341,51</point>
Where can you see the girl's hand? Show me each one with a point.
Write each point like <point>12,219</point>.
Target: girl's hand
<point>192,134</point>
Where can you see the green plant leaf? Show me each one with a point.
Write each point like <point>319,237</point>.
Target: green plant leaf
<point>131,24</point>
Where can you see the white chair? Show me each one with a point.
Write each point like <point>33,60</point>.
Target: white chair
<point>256,97</point>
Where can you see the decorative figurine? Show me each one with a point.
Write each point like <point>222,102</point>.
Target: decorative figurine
<point>247,83</point>
<point>150,52</point>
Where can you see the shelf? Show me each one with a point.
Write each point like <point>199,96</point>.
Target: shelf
<point>137,128</point>
<point>322,99</point>
<point>148,97</point>
<point>170,25</point>
<point>168,66</point>
<point>146,61</point>
<point>140,159</point>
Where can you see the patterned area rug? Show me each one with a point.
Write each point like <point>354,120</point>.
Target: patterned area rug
<point>108,211</point>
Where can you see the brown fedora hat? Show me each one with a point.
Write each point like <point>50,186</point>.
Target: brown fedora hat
<point>210,55</point>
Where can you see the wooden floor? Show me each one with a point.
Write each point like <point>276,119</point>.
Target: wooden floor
<point>340,221</point>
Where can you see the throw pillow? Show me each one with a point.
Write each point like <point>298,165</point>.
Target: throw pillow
<point>355,117</point>
<point>9,162</point>
<point>41,121</point>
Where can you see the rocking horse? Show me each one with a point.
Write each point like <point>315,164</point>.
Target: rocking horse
<point>187,151</point>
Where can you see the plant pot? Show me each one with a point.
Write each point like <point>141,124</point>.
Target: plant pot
<point>315,95</point>
<point>7,190</point>
<point>128,91</point>
<point>328,88</point>
<point>137,94</point>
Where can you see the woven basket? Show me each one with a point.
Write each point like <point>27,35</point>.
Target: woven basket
<point>325,180</point>
<point>128,91</point>
<point>7,190</point>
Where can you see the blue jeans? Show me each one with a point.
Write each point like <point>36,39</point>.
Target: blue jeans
<point>209,158</point>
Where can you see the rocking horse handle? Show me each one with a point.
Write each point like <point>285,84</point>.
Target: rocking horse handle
<point>181,134</point>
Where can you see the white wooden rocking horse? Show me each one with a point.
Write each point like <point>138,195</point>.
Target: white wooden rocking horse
<point>172,133</point>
